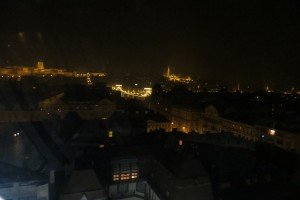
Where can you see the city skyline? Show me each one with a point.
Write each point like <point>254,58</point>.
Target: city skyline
<point>252,42</point>
<point>149,100</point>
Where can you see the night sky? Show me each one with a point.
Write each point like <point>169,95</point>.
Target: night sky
<point>251,41</point>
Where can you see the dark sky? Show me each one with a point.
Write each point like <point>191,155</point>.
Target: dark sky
<point>233,40</point>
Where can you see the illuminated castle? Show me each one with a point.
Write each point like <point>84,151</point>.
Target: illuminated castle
<point>177,78</point>
<point>40,70</point>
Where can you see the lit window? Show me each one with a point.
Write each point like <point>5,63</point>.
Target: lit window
<point>116,177</point>
<point>134,175</point>
<point>125,176</point>
<point>110,134</point>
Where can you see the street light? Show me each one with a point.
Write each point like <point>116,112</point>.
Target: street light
<point>272,132</point>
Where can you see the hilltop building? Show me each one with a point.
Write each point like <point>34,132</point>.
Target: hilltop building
<point>177,78</point>
<point>40,70</point>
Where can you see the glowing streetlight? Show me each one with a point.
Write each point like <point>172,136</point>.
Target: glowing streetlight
<point>272,132</point>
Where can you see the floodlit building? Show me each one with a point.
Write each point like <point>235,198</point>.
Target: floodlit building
<point>177,78</point>
<point>126,182</point>
<point>146,178</point>
<point>159,122</point>
<point>40,70</point>
<point>185,119</point>
<point>212,121</point>
<point>153,125</point>
<point>237,119</point>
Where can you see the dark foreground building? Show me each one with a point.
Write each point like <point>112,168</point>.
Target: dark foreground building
<point>33,162</point>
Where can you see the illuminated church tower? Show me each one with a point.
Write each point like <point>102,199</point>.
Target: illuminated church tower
<point>40,66</point>
<point>168,72</point>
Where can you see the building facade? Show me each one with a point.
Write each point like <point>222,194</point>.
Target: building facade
<point>126,182</point>
<point>40,70</point>
<point>153,125</point>
<point>212,122</point>
<point>30,190</point>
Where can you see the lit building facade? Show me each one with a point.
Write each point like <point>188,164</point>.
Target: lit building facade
<point>40,70</point>
<point>185,120</point>
<point>153,125</point>
<point>177,78</point>
<point>126,182</point>
<point>209,120</point>
<point>212,122</point>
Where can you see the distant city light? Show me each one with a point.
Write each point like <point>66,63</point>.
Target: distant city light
<point>22,36</point>
<point>180,142</point>
<point>177,78</point>
<point>40,70</point>
<point>110,134</point>
<point>146,92</point>
<point>16,134</point>
<point>272,132</point>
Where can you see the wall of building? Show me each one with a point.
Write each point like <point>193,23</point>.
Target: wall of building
<point>154,125</point>
<point>139,189</point>
<point>213,123</point>
<point>53,105</point>
<point>210,121</point>
<point>24,190</point>
<point>185,120</point>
